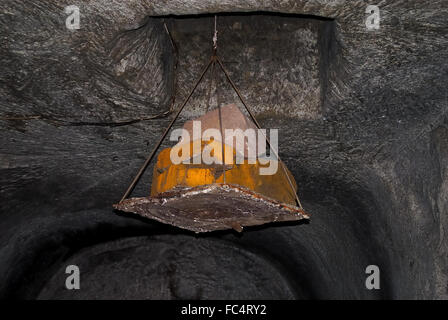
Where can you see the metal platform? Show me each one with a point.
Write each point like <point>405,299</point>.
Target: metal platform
<point>212,207</point>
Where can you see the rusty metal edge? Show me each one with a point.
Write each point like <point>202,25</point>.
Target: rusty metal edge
<point>185,192</point>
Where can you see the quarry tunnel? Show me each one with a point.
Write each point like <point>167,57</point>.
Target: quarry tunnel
<point>362,122</point>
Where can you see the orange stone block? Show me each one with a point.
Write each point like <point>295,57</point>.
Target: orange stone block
<point>167,175</point>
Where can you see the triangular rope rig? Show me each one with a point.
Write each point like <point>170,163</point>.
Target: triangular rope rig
<point>223,195</point>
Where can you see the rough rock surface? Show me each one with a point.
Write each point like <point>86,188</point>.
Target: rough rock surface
<point>362,118</point>
<point>127,266</point>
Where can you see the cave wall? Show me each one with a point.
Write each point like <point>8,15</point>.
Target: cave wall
<point>362,119</point>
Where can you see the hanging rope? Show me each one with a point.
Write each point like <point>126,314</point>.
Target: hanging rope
<point>215,37</point>
<point>212,79</point>
<point>215,57</point>
<point>259,127</point>
<point>222,136</point>
<point>175,66</point>
<point>148,160</point>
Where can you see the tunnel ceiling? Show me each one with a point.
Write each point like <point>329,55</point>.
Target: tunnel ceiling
<point>362,119</point>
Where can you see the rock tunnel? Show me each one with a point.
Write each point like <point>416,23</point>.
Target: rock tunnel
<point>362,119</point>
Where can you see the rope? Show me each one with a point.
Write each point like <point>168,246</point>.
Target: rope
<point>214,58</point>
<point>222,135</point>
<point>259,127</point>
<point>78,123</point>
<point>148,160</point>
<point>175,65</point>
<point>212,78</point>
<point>215,37</point>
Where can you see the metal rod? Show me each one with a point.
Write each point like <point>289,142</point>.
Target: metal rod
<point>212,79</point>
<point>222,132</point>
<point>215,37</point>
<point>259,127</point>
<point>148,160</point>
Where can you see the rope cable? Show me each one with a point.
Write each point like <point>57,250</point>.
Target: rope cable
<point>259,127</point>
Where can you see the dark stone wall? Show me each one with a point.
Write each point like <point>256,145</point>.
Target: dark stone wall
<point>362,119</point>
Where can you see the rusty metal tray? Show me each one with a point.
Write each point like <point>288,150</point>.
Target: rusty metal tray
<point>212,207</point>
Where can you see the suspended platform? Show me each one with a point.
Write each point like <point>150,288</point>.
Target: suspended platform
<point>207,197</point>
<point>226,194</point>
<point>212,207</point>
